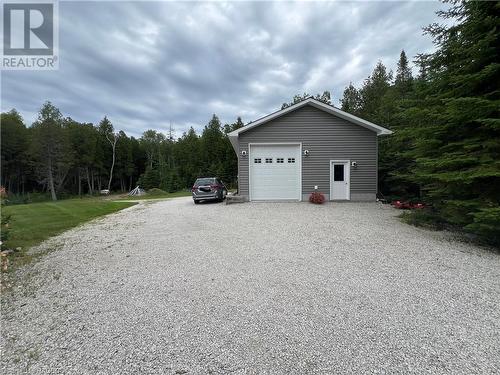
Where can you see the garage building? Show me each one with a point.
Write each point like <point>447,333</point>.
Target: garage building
<point>285,155</point>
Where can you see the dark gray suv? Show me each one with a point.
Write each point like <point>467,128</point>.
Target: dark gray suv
<point>208,188</point>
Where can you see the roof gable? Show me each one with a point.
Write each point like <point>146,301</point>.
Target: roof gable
<point>317,104</point>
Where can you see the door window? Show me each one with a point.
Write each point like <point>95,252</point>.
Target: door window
<point>338,172</point>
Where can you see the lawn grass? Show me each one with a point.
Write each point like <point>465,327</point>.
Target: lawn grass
<point>177,194</point>
<point>33,223</point>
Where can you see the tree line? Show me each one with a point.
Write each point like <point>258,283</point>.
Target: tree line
<point>445,149</point>
<point>61,157</point>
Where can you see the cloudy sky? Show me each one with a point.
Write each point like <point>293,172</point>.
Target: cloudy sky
<point>146,64</point>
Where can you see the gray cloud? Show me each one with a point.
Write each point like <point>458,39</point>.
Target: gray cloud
<point>144,64</point>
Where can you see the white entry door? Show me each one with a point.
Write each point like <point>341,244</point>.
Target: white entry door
<point>340,180</point>
<point>275,172</point>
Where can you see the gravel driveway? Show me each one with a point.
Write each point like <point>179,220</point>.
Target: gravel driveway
<point>172,288</point>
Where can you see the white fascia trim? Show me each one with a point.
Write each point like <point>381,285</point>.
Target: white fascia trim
<point>320,105</point>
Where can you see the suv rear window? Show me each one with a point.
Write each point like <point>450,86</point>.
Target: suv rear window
<point>204,181</point>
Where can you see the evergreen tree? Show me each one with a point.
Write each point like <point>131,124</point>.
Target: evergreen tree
<point>82,140</point>
<point>124,161</point>
<point>325,97</point>
<point>234,126</point>
<point>351,100</point>
<point>212,147</point>
<point>150,179</point>
<point>187,154</point>
<point>230,161</point>
<point>372,93</point>
<point>50,149</point>
<point>455,123</point>
<point>404,77</point>
<point>14,137</point>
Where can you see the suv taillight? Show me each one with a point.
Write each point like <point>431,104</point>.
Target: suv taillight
<point>194,188</point>
<point>215,186</point>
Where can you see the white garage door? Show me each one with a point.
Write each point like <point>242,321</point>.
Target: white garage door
<point>275,172</point>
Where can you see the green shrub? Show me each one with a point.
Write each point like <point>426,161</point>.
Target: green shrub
<point>486,225</point>
<point>156,191</point>
<point>4,230</point>
<point>426,218</point>
<point>34,197</point>
<point>149,179</point>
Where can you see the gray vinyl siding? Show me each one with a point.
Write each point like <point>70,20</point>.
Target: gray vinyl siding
<point>327,137</point>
